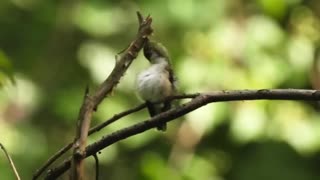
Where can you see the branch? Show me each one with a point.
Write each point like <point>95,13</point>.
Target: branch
<point>91,131</point>
<point>91,103</point>
<point>80,141</point>
<point>136,109</point>
<point>101,126</point>
<point>199,100</point>
<point>10,162</point>
<point>126,59</point>
<point>96,159</point>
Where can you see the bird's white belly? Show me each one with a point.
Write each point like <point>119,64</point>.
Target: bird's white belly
<point>153,86</point>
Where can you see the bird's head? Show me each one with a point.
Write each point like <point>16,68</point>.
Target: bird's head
<point>154,52</point>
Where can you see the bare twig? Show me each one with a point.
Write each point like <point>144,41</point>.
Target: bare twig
<point>91,131</point>
<point>199,100</point>
<point>96,159</point>
<point>51,160</point>
<point>125,61</point>
<point>104,124</point>
<point>115,118</point>
<point>80,141</point>
<point>10,162</point>
<point>91,103</point>
<point>135,109</point>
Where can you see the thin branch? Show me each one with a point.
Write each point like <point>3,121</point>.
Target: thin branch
<point>10,162</point>
<point>125,61</point>
<point>91,103</point>
<point>96,159</point>
<point>91,131</point>
<point>80,142</point>
<point>51,160</point>
<point>199,100</point>
<point>115,118</point>
<point>135,109</point>
<point>103,125</point>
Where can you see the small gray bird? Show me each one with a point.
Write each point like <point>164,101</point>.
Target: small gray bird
<point>158,81</point>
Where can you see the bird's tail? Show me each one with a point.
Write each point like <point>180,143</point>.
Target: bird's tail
<point>154,110</point>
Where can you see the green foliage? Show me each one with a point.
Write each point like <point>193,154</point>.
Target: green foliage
<point>50,51</point>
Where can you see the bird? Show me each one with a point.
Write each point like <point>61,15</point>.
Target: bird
<point>158,81</point>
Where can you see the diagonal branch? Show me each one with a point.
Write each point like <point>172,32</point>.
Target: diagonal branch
<point>126,59</point>
<point>10,162</point>
<point>91,103</point>
<point>199,100</point>
<point>91,131</point>
<point>103,125</point>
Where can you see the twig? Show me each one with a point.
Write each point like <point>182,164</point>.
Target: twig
<point>126,59</point>
<point>10,162</point>
<point>199,100</point>
<point>91,103</point>
<point>102,125</point>
<point>51,160</point>
<point>96,159</point>
<point>115,118</point>
<point>91,131</point>
<point>80,141</point>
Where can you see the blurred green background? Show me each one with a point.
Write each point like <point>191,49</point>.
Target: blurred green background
<point>50,50</point>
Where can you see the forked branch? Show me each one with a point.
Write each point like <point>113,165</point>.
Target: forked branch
<point>199,100</point>
<point>91,102</point>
